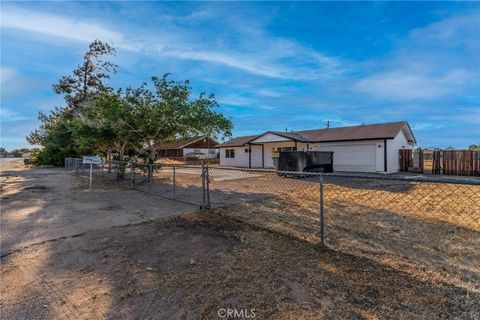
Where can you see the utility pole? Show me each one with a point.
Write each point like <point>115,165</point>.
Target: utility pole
<point>328,124</point>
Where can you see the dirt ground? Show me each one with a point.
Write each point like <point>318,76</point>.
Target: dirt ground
<point>46,203</point>
<point>115,253</point>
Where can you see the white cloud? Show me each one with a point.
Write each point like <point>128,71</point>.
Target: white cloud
<point>236,100</point>
<point>269,93</point>
<point>252,49</point>
<point>453,31</point>
<point>411,84</point>
<point>6,75</point>
<point>59,26</point>
<point>225,59</point>
<point>7,115</point>
<point>435,62</point>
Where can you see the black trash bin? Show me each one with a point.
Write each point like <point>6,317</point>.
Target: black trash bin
<point>305,161</point>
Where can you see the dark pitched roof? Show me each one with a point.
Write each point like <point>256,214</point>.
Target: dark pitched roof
<point>362,132</point>
<point>181,143</point>
<point>237,142</point>
<point>294,135</point>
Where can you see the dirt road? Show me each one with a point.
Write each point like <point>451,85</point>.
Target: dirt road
<point>39,205</point>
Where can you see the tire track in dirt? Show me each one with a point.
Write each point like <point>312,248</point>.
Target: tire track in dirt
<point>6,254</point>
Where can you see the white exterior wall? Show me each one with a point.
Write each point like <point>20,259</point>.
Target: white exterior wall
<point>270,137</point>
<point>393,154</point>
<point>345,154</point>
<point>241,157</point>
<point>256,156</point>
<point>270,147</point>
<point>205,151</point>
<point>366,151</point>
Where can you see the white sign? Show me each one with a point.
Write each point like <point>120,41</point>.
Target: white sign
<point>92,160</point>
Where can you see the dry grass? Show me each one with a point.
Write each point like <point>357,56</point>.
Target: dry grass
<point>170,161</point>
<point>427,165</point>
<point>385,257</point>
<point>191,266</point>
<point>401,225</point>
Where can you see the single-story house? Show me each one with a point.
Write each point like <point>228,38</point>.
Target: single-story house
<point>203,147</point>
<point>363,148</point>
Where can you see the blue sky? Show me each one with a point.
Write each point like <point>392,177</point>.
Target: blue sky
<point>270,65</point>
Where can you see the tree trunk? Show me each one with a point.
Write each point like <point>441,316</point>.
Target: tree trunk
<point>85,78</point>
<point>121,164</point>
<point>109,157</point>
<point>152,155</point>
<point>151,160</point>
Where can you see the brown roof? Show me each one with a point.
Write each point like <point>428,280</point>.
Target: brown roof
<point>181,143</point>
<point>237,142</point>
<point>362,132</point>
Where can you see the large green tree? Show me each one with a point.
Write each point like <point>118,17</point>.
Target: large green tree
<point>88,79</point>
<point>85,83</point>
<point>106,125</point>
<point>168,112</point>
<point>474,147</point>
<point>97,119</point>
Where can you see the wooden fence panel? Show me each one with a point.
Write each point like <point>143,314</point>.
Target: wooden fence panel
<point>406,159</point>
<point>421,160</point>
<point>456,162</point>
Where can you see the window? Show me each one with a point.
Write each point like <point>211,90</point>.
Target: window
<point>230,153</point>
<point>247,150</point>
<point>197,150</point>
<point>287,149</point>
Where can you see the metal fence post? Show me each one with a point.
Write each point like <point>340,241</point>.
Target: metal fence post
<point>132,174</point>
<point>207,180</point>
<point>150,172</point>
<point>203,186</point>
<point>174,186</point>
<point>91,177</point>
<point>322,243</point>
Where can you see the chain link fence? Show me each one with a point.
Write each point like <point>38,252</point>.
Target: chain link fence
<point>185,183</point>
<point>399,221</point>
<point>402,222</point>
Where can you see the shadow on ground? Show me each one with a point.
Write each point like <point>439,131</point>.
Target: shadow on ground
<point>188,267</point>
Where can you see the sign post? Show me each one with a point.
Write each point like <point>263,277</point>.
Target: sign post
<point>91,160</point>
<point>91,174</point>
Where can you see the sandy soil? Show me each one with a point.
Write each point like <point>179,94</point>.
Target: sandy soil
<point>189,267</point>
<point>69,258</point>
<point>431,230</point>
<point>47,203</point>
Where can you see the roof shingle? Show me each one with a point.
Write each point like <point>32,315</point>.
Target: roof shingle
<point>362,132</point>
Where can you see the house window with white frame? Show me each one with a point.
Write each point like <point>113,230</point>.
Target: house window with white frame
<point>229,153</point>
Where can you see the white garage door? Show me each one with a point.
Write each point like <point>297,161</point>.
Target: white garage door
<point>356,158</point>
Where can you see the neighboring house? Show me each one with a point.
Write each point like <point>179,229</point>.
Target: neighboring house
<point>202,147</point>
<point>364,148</point>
